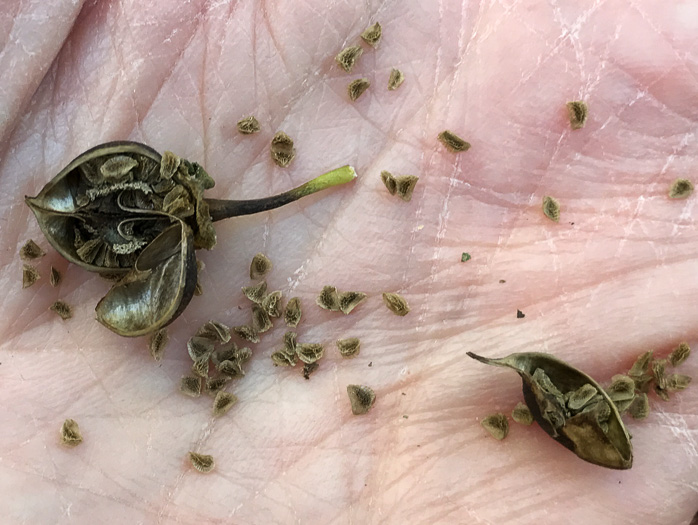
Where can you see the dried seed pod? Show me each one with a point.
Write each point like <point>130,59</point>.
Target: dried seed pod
<point>54,277</point>
<point>349,347</point>
<point>396,304</point>
<point>357,88</point>
<point>348,56</point>
<point>309,368</point>
<point>70,433</point>
<point>272,304</point>
<point>29,275</point>
<point>681,189</point>
<point>372,35</point>
<point>551,208</point>
<point>577,111</point>
<point>396,79</point>
<point>282,150</point>
<point>350,300</point>
<point>521,414</point>
<point>640,407</point>
<point>63,309</point>
<point>361,398</point>
<point>30,251</point>
<point>497,425</point>
<point>199,346</point>
<point>214,384</point>
<point>260,266</point>
<point>223,402</point>
<point>256,292</point>
<point>248,125</point>
<point>200,366</point>
<point>214,331</point>
<point>246,332</point>
<point>596,434</point>
<point>260,320</point>
<point>190,386</point>
<point>309,352</point>
<point>404,186</point>
<point>157,343</point>
<point>202,462</point>
<point>453,142</point>
<point>389,181</point>
<point>679,354</point>
<point>293,312</point>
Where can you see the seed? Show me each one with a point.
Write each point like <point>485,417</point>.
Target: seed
<point>350,300</point>
<point>223,402</point>
<point>640,407</point>
<point>348,56</point>
<point>260,320</point>
<point>551,208</point>
<point>260,266</point>
<point>214,384</point>
<point>29,275</point>
<point>520,314</point>
<point>63,309</point>
<point>199,346</point>
<point>227,352</point>
<point>256,292</point>
<point>214,331</point>
<point>680,354</point>
<point>198,290</point>
<point>231,369</point>
<point>681,189</point>
<point>678,381</point>
<point>309,352</point>
<point>30,251</point>
<point>396,79</point>
<point>361,398</point>
<point>404,186</point>
<point>465,257</point>
<point>290,342</point>
<point>169,164</point>
<point>309,369</point>
<point>247,333</point>
<point>497,425</point>
<point>200,366</point>
<point>578,112</point>
<point>70,433</point>
<point>659,370</point>
<point>282,358</point>
<point>453,142</point>
<point>349,347</point>
<point>272,304</point>
<point>190,386</point>
<point>157,343</point>
<point>202,462</point>
<point>641,364</point>
<point>357,88</point>
<point>248,125</point>
<point>55,277</point>
<point>622,388</point>
<point>522,414</point>
<point>282,150</point>
<point>396,304</point>
<point>372,35</point>
<point>389,182</point>
<point>328,298</point>
<point>661,393</point>
<point>579,398</point>
<point>292,314</point>
<point>117,167</point>
<point>243,354</point>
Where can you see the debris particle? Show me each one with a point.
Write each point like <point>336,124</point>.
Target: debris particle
<point>309,368</point>
<point>551,208</point>
<point>372,35</point>
<point>349,347</point>
<point>357,88</point>
<point>680,354</point>
<point>681,189</point>
<point>370,364</point>
<point>361,398</point>
<point>256,292</point>
<point>348,56</point>
<point>497,425</point>
<point>328,298</point>
<point>502,281</point>
<point>578,112</point>
<point>272,304</point>
<point>54,277</point>
<point>404,186</point>
<point>202,462</point>
<point>260,266</point>
<point>190,386</point>
<point>29,275</point>
<point>247,333</point>
<point>465,257</point>
<point>199,346</point>
<point>198,290</point>
<point>293,312</point>
<point>389,182</point>
<point>396,79</point>
<point>214,384</point>
<point>30,251</point>
<point>223,402</point>
<point>309,352</point>
<point>157,343</point>
<point>521,414</point>
<point>396,304</point>
<point>282,150</point>
<point>520,314</point>
<point>640,407</point>
<point>70,433</point>
<point>63,309</point>
<point>248,125</point>
<point>350,300</point>
<point>453,142</point>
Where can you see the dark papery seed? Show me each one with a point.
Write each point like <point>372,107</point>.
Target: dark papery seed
<point>214,384</point>
<point>396,79</point>
<point>169,164</point>
<point>522,414</point>
<point>372,35</point>
<point>290,341</point>
<point>223,402</point>
<point>678,382</point>
<point>389,182</point>
<point>63,309</point>
<point>256,292</point>
<point>348,56</point>
<point>681,189</point>
<point>350,300</point>
<point>659,373</point>
<point>497,425</point>
<point>231,369</point>
<point>54,277</point>
<point>328,298</point>
<point>640,407</point>
<point>679,354</point>
<point>577,111</point>
<point>199,346</point>
<point>357,88</point>
<point>453,142</point>
<point>309,352</point>
<point>396,304</point>
<point>29,275</point>
<point>260,320</point>
<point>272,304</point>
<point>214,331</point>
<point>551,208</point>
<point>247,333</point>
<point>227,352</point>
<point>200,366</point>
<point>30,251</point>
<point>282,150</point>
<point>361,398</point>
<point>293,312</point>
<point>349,347</point>
<point>283,358</point>
<point>248,125</point>
<point>157,343</point>
<point>309,368</point>
<point>404,186</point>
<point>70,433</point>
<point>259,266</point>
<point>202,462</point>
<point>190,386</point>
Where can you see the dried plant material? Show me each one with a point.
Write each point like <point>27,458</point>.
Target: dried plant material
<point>639,372</point>
<point>595,434</point>
<point>328,298</point>
<point>117,167</point>
<point>465,257</point>
<point>640,407</point>
<point>214,331</point>
<point>293,312</point>
<point>198,290</point>
<point>361,398</point>
<point>350,300</point>
<point>396,79</point>
<point>678,382</point>
<point>202,462</point>
<point>223,402</point>
<point>169,164</point>
<point>63,309</point>
<point>404,186</point>
<point>30,251</point>
<point>578,112</point>
<point>243,354</point>
<point>231,369</point>
<point>227,352</point>
<point>372,35</point>
<point>662,393</point>
<point>681,189</point>
<point>551,208</point>
<point>282,150</point>
<point>622,388</point>
<point>679,354</point>
<point>54,277</point>
<point>200,366</point>
<point>190,385</point>
<point>389,181</point>
<point>247,333</point>
<point>256,292</point>
<point>199,346</point>
<point>396,303</point>
<point>215,384</point>
<point>260,266</point>
<point>157,343</point>
<point>348,56</point>
<point>659,373</point>
<point>272,304</point>
<point>70,433</point>
<point>248,125</point>
<point>310,352</point>
<point>260,320</point>
<point>29,275</point>
<point>349,347</point>
<point>283,358</point>
<point>453,142</point>
<point>309,369</point>
<point>497,425</point>
<point>521,414</point>
<point>357,88</point>
<point>578,399</point>
<point>290,343</point>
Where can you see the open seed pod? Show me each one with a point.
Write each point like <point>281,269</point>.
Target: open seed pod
<point>592,429</point>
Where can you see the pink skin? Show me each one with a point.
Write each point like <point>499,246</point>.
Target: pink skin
<point>615,277</point>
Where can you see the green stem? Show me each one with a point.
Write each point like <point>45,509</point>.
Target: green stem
<point>224,209</point>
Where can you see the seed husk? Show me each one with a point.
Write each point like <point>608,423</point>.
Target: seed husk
<point>231,368</point>
<point>63,309</point>
<point>223,402</point>
<point>293,312</point>
<point>256,292</point>
<point>396,79</point>
<point>157,343</point>
<point>521,414</point>
<point>357,88</point>
<point>29,275</point>
<point>30,251</point>
<point>551,208</point>
<point>282,150</point>
<point>348,56</point>
<point>260,320</point>
<point>349,347</point>
<point>361,398</point>
<point>372,35</point>
<point>190,385</point>
<point>578,112</point>
<point>246,332</point>
<point>681,189</point>
<point>214,384</point>
<point>202,462</point>
<point>309,368</point>
<point>350,300</point>
<point>309,352</point>
<point>328,298</point>
<point>453,142</point>
<point>404,186</point>
<point>248,125</point>
<point>199,346</point>
<point>679,354</point>
<point>640,407</point>
<point>465,257</point>
<point>678,382</point>
<point>272,304</point>
<point>396,303</point>
<point>200,366</point>
<point>260,266</point>
<point>497,425</point>
<point>54,277</point>
<point>70,433</point>
<point>389,181</point>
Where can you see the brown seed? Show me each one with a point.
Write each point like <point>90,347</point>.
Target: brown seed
<point>202,462</point>
<point>497,425</point>
<point>70,433</point>
<point>247,333</point>
<point>63,309</point>
<point>350,300</point>
<point>453,142</point>
<point>243,354</point>
<point>579,398</point>
<point>641,364</point>
<point>640,407</point>
<point>199,346</point>
<point>328,299</point>
<point>309,352</point>
<point>200,366</point>
<point>348,56</point>
<point>659,373</point>
<point>396,79</point>
<point>680,354</point>
<point>357,88</point>
<point>578,112</point>
<point>256,292</point>
<point>678,382</point>
<point>30,251</point>
<point>396,304</point>
<point>223,402</point>
<point>260,320</point>
<point>214,384</point>
<point>54,277</point>
<point>290,342</point>
<point>231,369</point>
<point>361,398</point>
<point>190,386</point>
<point>169,164</point>
<point>522,414</point>
<point>214,331</point>
<point>309,368</point>
<point>551,208</point>
<point>282,150</point>
<point>349,347</point>
<point>227,352</point>
<point>117,167</point>
<point>248,125</point>
<point>372,35</point>
<point>293,312</point>
<point>283,358</point>
<point>404,186</point>
<point>681,189</point>
<point>622,388</point>
<point>389,182</point>
<point>157,343</point>
<point>29,275</point>
<point>260,266</point>
<point>272,304</point>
